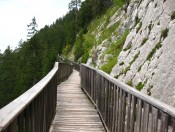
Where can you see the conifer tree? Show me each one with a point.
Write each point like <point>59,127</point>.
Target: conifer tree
<point>32,28</point>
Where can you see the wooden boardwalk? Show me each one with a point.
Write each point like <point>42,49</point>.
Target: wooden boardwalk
<point>74,112</point>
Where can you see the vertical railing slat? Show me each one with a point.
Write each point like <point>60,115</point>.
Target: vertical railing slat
<point>139,115</point>
<point>154,119</point>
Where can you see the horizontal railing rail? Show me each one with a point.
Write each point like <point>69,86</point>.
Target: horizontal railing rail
<point>123,108</point>
<point>34,110</point>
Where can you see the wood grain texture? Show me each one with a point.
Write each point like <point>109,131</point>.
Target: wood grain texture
<point>74,112</point>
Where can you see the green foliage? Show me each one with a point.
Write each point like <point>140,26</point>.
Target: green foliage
<point>66,50</point>
<point>144,41</point>
<point>173,15</point>
<point>164,33</point>
<point>85,57</point>
<point>150,55</point>
<point>22,68</point>
<point>108,32</point>
<point>120,3</point>
<point>79,49</point>
<point>139,86</point>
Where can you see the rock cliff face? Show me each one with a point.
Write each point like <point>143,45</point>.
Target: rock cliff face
<point>147,60</point>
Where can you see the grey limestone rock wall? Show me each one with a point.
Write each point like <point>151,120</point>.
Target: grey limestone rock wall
<point>148,55</point>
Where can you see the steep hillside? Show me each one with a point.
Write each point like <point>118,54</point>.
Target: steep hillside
<point>135,44</point>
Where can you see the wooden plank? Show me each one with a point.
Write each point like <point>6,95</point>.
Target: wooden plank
<point>128,113</point>
<point>117,108</point>
<point>132,119</point>
<point>144,126</point>
<point>114,108</point>
<point>120,111</point>
<point>139,115</point>
<point>164,122</point>
<point>123,111</point>
<point>74,112</point>
<point>154,119</point>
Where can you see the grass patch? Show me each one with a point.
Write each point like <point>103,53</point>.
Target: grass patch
<point>128,47</point>
<point>109,65</point>
<point>107,32</point>
<point>144,41</point>
<point>150,27</point>
<point>149,91</point>
<point>150,55</point>
<point>135,57</point>
<point>158,23</point>
<point>126,70</point>
<point>115,50</point>
<point>130,83</point>
<point>140,67</point>
<point>121,64</point>
<point>164,33</point>
<point>137,20</point>
<point>139,86</point>
<point>117,76</point>
<point>138,28</point>
<point>173,16</point>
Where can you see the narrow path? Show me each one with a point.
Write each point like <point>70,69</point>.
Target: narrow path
<point>74,112</point>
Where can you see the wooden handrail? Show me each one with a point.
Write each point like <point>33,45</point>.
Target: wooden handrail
<point>35,109</point>
<point>123,108</point>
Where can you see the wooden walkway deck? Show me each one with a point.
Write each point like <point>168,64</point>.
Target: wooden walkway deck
<point>74,112</point>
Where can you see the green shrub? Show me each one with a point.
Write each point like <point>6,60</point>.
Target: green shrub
<point>158,23</point>
<point>150,55</point>
<point>117,76</point>
<point>140,67</point>
<point>139,86</point>
<point>150,27</point>
<point>164,33</point>
<point>122,63</point>
<point>173,16</point>
<point>144,41</point>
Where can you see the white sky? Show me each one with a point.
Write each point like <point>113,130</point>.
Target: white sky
<point>16,14</point>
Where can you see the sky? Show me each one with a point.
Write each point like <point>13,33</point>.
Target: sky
<point>15,15</point>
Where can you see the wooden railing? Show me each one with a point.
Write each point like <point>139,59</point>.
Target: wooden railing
<point>76,66</point>
<point>34,110</point>
<point>123,108</point>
